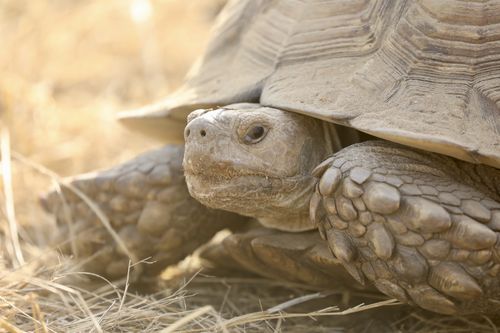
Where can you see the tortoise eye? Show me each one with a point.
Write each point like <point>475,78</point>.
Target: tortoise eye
<point>255,134</point>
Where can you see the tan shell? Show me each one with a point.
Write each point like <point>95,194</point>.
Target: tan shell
<point>422,73</point>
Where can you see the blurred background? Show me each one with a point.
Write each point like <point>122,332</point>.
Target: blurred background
<point>67,67</point>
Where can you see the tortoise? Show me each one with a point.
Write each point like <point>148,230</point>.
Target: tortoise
<point>363,136</point>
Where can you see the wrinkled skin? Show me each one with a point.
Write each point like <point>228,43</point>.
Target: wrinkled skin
<point>254,161</point>
<point>424,228</point>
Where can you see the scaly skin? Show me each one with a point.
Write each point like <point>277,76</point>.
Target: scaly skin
<point>422,227</point>
<point>148,205</point>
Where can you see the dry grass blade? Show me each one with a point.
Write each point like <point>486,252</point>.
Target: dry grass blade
<point>68,218</point>
<point>491,324</point>
<point>283,306</point>
<point>14,245</point>
<point>331,311</point>
<point>188,318</point>
<point>127,279</point>
<point>8,326</point>
<point>40,326</point>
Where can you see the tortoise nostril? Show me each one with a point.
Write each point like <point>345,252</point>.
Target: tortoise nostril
<point>188,132</point>
<point>203,133</point>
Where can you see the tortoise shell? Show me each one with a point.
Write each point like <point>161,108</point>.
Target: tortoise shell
<point>421,73</point>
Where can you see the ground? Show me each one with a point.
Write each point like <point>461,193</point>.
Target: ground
<point>67,68</point>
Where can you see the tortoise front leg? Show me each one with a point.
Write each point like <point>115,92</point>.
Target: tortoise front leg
<point>149,207</point>
<point>422,227</point>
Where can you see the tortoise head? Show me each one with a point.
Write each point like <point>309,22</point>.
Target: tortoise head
<point>255,161</point>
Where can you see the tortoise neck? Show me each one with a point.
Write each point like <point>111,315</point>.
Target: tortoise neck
<point>480,174</point>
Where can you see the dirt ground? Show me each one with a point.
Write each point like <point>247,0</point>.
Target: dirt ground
<point>67,67</point>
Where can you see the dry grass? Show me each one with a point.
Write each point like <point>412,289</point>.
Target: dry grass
<point>67,67</point>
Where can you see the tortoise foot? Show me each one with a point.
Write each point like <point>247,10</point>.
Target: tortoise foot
<point>148,206</point>
<point>294,257</point>
<point>422,228</point>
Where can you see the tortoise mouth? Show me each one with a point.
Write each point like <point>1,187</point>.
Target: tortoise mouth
<point>230,184</point>
<point>226,173</point>
<point>236,193</point>
<point>239,188</point>
<point>255,196</point>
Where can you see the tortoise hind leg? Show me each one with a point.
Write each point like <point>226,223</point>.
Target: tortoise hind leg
<point>148,205</point>
<point>422,227</point>
<point>294,257</point>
